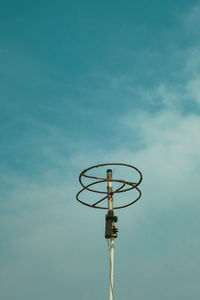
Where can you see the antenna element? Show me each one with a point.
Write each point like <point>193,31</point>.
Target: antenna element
<point>110,229</point>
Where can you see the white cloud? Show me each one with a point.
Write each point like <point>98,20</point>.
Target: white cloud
<point>171,150</point>
<point>193,89</point>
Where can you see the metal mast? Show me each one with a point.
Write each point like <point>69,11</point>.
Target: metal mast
<point>111,219</point>
<point>111,231</point>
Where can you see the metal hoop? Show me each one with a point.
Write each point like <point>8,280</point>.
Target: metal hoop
<point>132,185</point>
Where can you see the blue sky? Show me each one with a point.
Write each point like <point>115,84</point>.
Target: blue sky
<point>84,83</point>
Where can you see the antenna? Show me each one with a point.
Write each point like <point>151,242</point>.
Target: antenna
<point>110,229</point>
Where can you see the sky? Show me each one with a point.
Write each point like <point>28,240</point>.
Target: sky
<point>83,83</point>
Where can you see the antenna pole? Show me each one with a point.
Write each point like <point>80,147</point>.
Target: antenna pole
<point>112,240</point>
<point>110,219</point>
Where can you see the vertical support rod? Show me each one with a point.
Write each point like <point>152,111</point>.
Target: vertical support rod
<point>112,240</point>
<point>109,190</point>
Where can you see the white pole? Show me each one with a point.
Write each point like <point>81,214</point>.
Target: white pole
<point>112,242</point>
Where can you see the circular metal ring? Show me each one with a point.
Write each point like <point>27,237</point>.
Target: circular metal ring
<point>132,185</point>
<point>116,191</point>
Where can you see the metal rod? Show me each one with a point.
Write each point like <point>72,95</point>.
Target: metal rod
<point>109,190</point>
<point>112,240</point>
